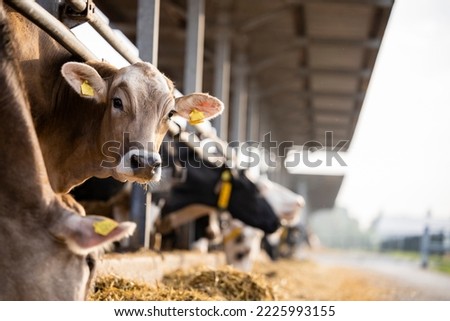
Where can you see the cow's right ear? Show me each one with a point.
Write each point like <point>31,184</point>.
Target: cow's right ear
<point>85,80</point>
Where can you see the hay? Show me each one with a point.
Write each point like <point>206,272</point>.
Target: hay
<point>194,285</point>
<point>225,284</point>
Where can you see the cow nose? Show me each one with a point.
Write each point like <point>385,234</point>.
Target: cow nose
<point>142,161</point>
<point>300,202</point>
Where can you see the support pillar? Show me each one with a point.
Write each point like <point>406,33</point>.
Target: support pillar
<point>222,70</point>
<point>147,40</point>
<point>148,30</point>
<point>193,67</point>
<point>240,94</point>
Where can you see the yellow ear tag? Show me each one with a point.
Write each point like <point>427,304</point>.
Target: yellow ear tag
<point>225,190</point>
<point>86,89</point>
<point>196,117</point>
<point>234,233</point>
<point>104,227</point>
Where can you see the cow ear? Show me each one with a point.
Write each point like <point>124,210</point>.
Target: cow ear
<point>86,234</point>
<point>85,80</point>
<point>198,107</point>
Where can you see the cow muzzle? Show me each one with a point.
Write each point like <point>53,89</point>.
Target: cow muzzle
<point>140,166</point>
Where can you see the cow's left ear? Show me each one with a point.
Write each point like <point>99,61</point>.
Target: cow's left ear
<point>85,80</point>
<point>198,107</point>
<point>86,234</point>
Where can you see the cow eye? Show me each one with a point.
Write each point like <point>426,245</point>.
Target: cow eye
<point>171,113</point>
<point>117,103</point>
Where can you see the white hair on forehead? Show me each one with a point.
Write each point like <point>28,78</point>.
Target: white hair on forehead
<point>160,78</point>
<point>133,77</point>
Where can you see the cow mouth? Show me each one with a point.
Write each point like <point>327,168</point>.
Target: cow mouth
<point>139,166</point>
<point>289,218</point>
<point>140,176</point>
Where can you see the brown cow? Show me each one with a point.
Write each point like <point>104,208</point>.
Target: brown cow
<point>94,119</point>
<point>46,249</point>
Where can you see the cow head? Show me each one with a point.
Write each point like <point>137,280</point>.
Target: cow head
<point>59,262</point>
<point>241,244</point>
<point>287,204</point>
<point>138,103</point>
<point>202,186</point>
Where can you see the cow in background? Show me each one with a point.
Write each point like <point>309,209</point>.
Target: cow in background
<point>288,206</point>
<point>242,243</point>
<point>202,185</point>
<point>48,250</point>
<point>93,119</point>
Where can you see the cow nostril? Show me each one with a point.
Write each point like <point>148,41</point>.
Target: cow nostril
<point>134,161</point>
<point>156,165</point>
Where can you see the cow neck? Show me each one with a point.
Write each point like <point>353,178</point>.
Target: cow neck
<point>76,126</point>
<point>24,178</point>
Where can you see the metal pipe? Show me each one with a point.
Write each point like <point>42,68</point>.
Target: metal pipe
<point>77,5</point>
<point>105,31</point>
<point>39,16</point>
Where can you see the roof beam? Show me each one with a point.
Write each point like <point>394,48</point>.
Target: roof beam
<point>378,3</point>
<point>257,21</point>
<point>332,112</point>
<point>304,42</point>
<point>306,72</point>
<point>310,95</point>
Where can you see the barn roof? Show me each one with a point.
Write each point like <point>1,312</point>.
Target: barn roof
<point>308,62</point>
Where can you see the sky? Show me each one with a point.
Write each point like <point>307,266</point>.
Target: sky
<point>399,159</point>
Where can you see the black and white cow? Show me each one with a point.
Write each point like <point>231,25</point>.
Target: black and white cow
<point>202,185</point>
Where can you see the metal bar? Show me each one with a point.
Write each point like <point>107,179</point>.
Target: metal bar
<point>107,33</point>
<point>193,69</point>
<point>147,41</point>
<point>240,93</point>
<point>148,30</point>
<point>222,69</point>
<point>44,20</point>
<point>77,5</point>
<point>252,113</point>
<point>137,210</point>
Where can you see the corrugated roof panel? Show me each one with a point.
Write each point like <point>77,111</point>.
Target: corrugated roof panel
<point>344,21</point>
<point>335,56</point>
